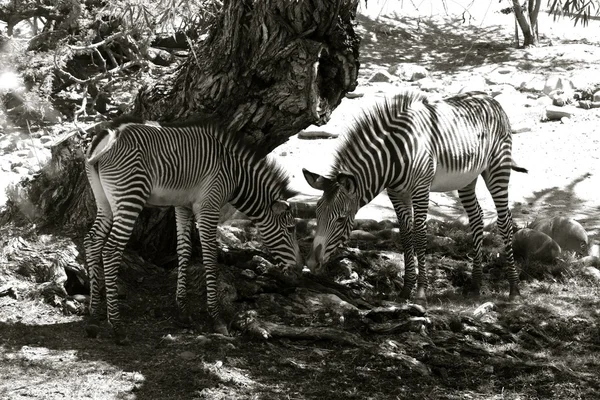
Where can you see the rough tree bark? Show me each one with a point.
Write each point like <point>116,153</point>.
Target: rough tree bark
<point>270,68</point>
<point>527,22</point>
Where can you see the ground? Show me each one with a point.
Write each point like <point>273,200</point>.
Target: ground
<point>545,346</point>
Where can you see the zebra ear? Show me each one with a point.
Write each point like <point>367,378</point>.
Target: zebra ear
<point>347,181</point>
<point>280,206</point>
<point>316,181</point>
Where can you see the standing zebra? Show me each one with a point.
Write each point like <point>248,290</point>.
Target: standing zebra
<point>196,168</point>
<point>413,147</point>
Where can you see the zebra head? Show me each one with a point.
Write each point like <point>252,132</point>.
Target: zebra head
<point>335,215</point>
<point>278,232</point>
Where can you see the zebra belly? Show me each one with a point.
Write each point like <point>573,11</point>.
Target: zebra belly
<point>445,180</point>
<point>173,197</point>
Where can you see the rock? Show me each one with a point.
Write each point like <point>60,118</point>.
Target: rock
<point>594,250</point>
<point>588,261</point>
<point>477,83</point>
<point>81,298</point>
<point>532,245</point>
<point>46,140</point>
<point>499,89</point>
<point>557,82</point>
<point>5,165</point>
<point>71,306</point>
<point>367,225</point>
<point>596,96</point>
<point>21,170</point>
<point>382,76</point>
<point>568,233</point>
<point>530,84</point>
<point>159,56</point>
<point>354,95</point>
<point>316,134</point>
<point>558,113</point>
<point>437,243</point>
<point>521,128</point>
<point>592,273</point>
<point>483,309</point>
<point>359,234</point>
<point>409,71</point>
<point>430,85</point>
<point>187,355</point>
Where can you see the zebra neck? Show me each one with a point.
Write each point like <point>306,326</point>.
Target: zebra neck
<point>251,190</point>
<point>368,185</point>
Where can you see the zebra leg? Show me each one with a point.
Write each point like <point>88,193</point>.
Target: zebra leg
<point>123,223</point>
<point>183,218</point>
<point>471,205</point>
<point>93,243</point>
<point>403,209</point>
<point>497,183</point>
<point>207,217</point>
<point>420,207</point>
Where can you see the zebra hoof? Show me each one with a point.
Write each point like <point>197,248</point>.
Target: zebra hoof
<point>92,330</point>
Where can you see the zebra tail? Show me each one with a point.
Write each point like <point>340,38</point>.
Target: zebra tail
<point>515,167</point>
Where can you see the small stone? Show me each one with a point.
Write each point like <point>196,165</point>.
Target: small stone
<point>359,234</point>
<point>81,298</point>
<point>21,170</point>
<point>592,273</point>
<point>409,71</point>
<point>46,139</point>
<point>557,82</point>
<point>283,154</point>
<point>187,355</point>
<point>381,76</point>
<point>316,135</point>
<point>71,306</point>
<point>202,340</point>
<point>597,96</point>
<point>354,95</point>
<point>430,85</point>
<point>483,309</point>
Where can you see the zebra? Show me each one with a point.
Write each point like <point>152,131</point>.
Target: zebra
<point>411,147</point>
<point>197,168</point>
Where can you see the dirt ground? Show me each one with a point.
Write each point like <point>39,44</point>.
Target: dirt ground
<point>545,347</point>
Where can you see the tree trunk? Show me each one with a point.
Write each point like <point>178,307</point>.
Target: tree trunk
<point>271,68</point>
<point>528,22</point>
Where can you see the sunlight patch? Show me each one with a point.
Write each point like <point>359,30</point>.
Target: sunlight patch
<point>9,81</point>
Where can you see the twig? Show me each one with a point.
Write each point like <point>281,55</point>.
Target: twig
<point>94,46</point>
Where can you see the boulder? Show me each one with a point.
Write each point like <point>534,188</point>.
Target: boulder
<point>558,82</point>
<point>409,71</point>
<point>530,244</point>
<point>568,233</point>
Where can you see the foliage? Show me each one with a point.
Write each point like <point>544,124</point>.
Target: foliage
<point>579,10</point>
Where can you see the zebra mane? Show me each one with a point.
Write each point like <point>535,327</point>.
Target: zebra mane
<point>234,142</point>
<point>401,102</point>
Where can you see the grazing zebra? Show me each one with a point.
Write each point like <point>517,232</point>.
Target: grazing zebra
<point>412,147</point>
<point>196,168</point>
